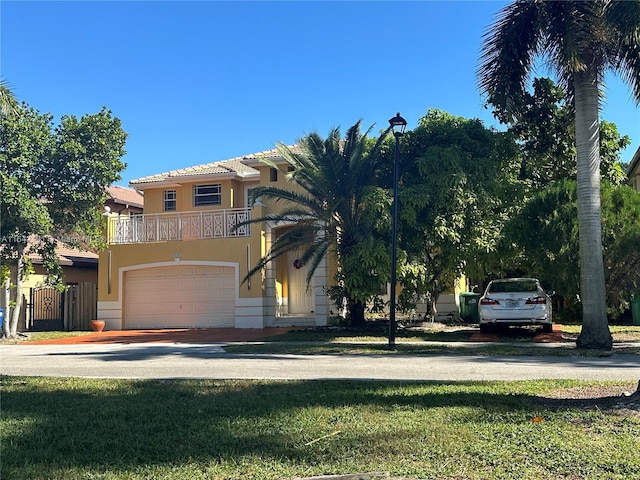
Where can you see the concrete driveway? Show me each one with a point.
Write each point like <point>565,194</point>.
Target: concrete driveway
<point>209,360</point>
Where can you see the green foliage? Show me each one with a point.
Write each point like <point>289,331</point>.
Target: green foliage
<point>547,231</point>
<point>611,144</point>
<point>8,103</point>
<point>87,159</point>
<point>53,180</point>
<point>580,41</point>
<point>621,241</point>
<point>546,135</point>
<point>53,183</point>
<point>572,36</point>
<point>456,183</point>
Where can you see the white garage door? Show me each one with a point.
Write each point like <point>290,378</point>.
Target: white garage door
<point>180,296</point>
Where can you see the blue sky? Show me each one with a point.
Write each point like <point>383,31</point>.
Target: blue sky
<point>197,82</point>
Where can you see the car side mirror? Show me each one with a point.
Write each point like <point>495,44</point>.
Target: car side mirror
<point>551,293</point>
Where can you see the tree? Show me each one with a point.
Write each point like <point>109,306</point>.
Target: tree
<point>333,206</point>
<point>544,129</point>
<point>581,40</point>
<point>547,230</point>
<point>456,179</point>
<point>53,183</point>
<point>546,135</point>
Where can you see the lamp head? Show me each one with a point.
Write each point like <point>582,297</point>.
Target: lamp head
<point>398,124</point>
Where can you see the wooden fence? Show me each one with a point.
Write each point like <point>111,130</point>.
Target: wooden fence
<point>80,306</point>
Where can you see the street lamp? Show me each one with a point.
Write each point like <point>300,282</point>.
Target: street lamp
<point>398,124</point>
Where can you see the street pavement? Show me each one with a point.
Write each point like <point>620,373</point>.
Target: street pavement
<point>210,361</point>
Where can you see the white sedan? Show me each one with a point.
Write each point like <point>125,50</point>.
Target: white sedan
<point>515,301</point>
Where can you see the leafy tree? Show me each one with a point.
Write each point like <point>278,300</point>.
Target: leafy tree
<point>53,183</point>
<point>455,184</point>
<point>547,230</point>
<point>581,40</point>
<point>333,207</point>
<point>545,132</point>
<point>546,135</point>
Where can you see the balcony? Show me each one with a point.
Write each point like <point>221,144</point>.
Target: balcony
<point>162,227</point>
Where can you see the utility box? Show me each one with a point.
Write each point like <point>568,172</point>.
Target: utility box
<point>469,307</point>
<point>635,310</point>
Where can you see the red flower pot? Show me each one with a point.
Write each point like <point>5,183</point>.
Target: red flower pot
<point>97,325</point>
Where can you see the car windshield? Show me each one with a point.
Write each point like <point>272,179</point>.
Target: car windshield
<point>514,286</point>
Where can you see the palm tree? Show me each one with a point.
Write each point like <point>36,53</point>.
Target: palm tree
<point>581,41</point>
<point>8,102</point>
<point>326,206</point>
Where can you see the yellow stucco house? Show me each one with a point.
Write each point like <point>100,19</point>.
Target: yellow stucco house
<point>181,263</point>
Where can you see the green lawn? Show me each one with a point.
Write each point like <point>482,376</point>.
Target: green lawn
<point>78,429</point>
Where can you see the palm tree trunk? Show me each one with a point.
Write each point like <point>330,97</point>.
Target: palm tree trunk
<point>595,332</point>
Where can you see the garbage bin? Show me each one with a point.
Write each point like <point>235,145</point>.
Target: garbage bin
<point>469,307</point>
<point>1,319</point>
<point>635,310</point>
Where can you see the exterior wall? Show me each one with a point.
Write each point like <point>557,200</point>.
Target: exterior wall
<point>69,275</point>
<point>39,278</point>
<point>257,299</point>
<point>239,252</point>
<point>233,196</point>
<point>449,301</point>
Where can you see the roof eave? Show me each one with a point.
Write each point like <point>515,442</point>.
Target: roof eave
<point>177,181</point>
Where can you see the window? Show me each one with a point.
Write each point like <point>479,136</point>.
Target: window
<point>273,174</point>
<point>207,195</point>
<point>170,200</point>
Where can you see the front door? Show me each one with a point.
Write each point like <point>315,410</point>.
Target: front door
<point>300,298</point>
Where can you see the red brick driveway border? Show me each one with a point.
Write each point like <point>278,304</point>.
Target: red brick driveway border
<point>225,335</point>
<point>177,335</point>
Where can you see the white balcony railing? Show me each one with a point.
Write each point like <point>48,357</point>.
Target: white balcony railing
<point>161,227</point>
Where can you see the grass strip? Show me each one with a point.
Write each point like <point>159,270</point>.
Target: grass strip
<point>67,428</point>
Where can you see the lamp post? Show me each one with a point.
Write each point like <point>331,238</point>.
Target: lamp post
<point>398,124</point>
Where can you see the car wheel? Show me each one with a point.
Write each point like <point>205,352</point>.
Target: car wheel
<point>485,328</point>
<point>547,328</point>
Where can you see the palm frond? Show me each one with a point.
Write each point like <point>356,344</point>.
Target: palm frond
<point>330,178</point>
<point>508,51</point>
<point>8,101</point>
<point>623,27</point>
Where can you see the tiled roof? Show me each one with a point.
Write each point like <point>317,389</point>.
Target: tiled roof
<point>68,256</point>
<point>125,196</point>
<point>232,166</point>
